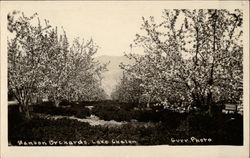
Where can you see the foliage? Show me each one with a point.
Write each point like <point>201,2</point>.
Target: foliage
<point>125,112</point>
<point>192,56</point>
<point>25,58</point>
<point>72,110</point>
<point>128,90</point>
<point>223,130</point>
<point>42,63</point>
<point>83,73</point>
<point>112,112</point>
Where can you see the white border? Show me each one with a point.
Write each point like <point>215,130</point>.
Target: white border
<point>129,151</point>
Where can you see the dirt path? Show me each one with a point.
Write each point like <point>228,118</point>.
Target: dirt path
<point>92,120</point>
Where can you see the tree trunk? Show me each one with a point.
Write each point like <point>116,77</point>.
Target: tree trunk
<point>57,102</point>
<point>210,110</point>
<point>187,131</point>
<point>209,104</point>
<point>149,100</point>
<point>20,109</point>
<point>25,110</point>
<point>27,114</point>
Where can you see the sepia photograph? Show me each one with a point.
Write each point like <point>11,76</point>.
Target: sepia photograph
<point>125,74</point>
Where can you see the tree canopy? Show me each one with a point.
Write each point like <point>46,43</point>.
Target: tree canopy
<point>42,62</point>
<point>192,56</point>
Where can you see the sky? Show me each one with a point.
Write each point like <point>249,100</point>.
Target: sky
<point>112,25</point>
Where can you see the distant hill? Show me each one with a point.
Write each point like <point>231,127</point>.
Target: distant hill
<point>114,73</point>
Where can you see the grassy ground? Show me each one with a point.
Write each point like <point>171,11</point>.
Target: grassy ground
<point>167,127</point>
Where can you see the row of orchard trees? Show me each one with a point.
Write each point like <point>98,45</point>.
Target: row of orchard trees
<point>42,62</point>
<point>192,56</point>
